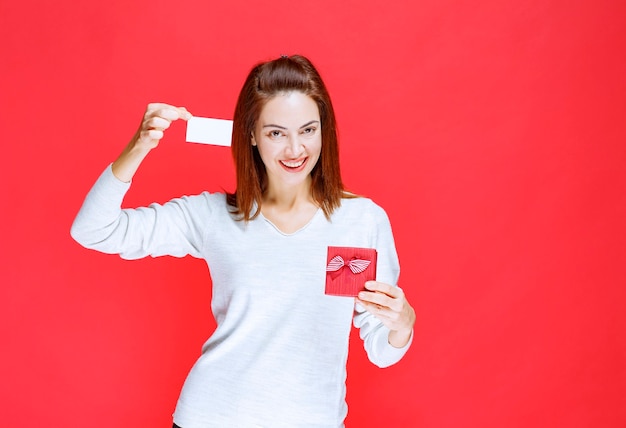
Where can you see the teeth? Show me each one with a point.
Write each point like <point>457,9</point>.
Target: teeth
<point>292,164</point>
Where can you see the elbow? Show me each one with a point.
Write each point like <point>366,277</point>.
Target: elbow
<point>81,232</point>
<point>77,233</point>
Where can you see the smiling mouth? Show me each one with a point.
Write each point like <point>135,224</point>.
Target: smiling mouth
<point>293,164</point>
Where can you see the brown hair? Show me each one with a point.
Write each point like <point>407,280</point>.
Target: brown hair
<point>265,81</point>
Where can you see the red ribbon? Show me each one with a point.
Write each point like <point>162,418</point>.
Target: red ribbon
<point>355,265</point>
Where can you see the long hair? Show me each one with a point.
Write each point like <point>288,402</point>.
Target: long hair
<point>265,81</point>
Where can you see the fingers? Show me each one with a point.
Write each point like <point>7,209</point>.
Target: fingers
<point>167,111</point>
<point>382,294</point>
<point>376,299</point>
<point>157,118</point>
<point>157,122</point>
<point>389,304</point>
<point>381,305</point>
<point>152,134</point>
<point>380,310</point>
<point>381,287</point>
<point>184,114</point>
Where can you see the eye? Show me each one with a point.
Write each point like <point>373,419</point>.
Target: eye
<point>309,130</point>
<point>275,133</point>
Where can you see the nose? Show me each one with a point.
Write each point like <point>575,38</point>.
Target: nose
<point>295,147</point>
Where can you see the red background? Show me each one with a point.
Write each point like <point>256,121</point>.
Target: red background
<point>492,132</point>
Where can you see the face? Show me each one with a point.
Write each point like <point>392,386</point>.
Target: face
<point>288,136</point>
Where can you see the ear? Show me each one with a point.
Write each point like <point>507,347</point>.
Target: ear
<point>252,140</point>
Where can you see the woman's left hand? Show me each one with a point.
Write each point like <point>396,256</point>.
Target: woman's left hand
<point>388,304</point>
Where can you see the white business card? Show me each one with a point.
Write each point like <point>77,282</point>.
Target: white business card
<point>206,130</point>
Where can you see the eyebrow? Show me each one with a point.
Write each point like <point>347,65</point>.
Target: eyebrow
<point>271,125</point>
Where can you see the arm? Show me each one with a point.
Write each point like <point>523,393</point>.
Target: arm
<point>171,229</point>
<point>382,313</point>
<point>157,118</point>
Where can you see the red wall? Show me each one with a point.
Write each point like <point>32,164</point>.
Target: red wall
<point>493,133</point>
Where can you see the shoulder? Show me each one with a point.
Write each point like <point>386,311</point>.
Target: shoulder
<point>204,202</point>
<point>362,208</point>
<point>361,203</point>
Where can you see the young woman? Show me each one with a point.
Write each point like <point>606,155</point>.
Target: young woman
<point>278,355</point>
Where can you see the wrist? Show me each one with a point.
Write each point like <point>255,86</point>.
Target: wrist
<point>399,338</point>
<point>128,162</point>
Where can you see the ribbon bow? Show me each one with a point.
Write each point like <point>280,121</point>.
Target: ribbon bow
<point>355,265</point>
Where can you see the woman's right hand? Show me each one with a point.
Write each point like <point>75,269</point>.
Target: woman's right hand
<point>157,118</point>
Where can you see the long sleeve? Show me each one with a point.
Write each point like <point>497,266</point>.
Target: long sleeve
<point>172,229</point>
<point>375,339</point>
<point>373,332</point>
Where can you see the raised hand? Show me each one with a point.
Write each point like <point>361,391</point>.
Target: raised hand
<point>157,118</point>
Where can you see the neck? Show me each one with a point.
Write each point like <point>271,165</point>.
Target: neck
<point>289,208</point>
<point>286,198</point>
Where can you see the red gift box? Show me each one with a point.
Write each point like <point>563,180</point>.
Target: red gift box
<point>348,268</point>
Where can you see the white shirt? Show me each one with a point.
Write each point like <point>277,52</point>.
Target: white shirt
<point>278,355</point>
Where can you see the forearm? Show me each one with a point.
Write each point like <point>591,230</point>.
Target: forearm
<point>127,164</point>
